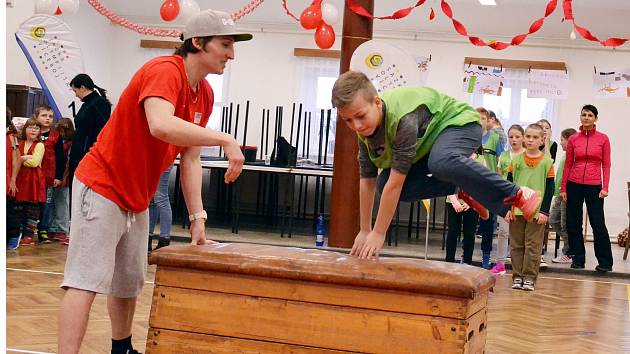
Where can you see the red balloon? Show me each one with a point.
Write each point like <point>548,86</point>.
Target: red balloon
<point>311,17</point>
<point>324,36</point>
<point>169,10</point>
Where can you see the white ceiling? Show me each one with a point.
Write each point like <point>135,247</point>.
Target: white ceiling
<point>603,17</point>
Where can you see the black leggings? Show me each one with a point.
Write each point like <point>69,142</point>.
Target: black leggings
<point>468,219</point>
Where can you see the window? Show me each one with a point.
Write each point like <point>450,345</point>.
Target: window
<point>315,79</point>
<point>514,107</point>
<point>216,82</point>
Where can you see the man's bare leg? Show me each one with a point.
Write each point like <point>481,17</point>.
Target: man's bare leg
<point>73,319</point>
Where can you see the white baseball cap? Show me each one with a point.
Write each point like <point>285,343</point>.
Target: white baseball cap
<point>213,23</point>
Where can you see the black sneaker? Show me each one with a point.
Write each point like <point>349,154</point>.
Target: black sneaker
<point>577,266</point>
<point>601,269</point>
<point>162,242</point>
<point>150,244</point>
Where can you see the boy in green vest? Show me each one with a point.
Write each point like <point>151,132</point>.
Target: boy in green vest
<point>422,140</point>
<point>533,169</point>
<point>492,149</point>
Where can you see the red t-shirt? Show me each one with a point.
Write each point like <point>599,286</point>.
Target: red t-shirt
<point>126,162</point>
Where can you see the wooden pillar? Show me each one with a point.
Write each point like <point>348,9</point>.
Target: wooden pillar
<point>344,216</point>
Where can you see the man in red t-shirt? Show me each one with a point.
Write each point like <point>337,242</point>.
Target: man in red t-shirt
<point>162,113</point>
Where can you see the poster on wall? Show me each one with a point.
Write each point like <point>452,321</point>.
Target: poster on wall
<point>553,84</point>
<point>611,83</point>
<point>54,56</point>
<point>388,66</point>
<point>485,80</point>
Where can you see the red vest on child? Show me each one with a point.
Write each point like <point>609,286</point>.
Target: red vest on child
<point>49,162</point>
<point>30,181</point>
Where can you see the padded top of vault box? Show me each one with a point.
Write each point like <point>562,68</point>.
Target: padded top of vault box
<point>403,274</point>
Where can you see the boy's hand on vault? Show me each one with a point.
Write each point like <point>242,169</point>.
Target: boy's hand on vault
<point>372,246</point>
<point>359,241</point>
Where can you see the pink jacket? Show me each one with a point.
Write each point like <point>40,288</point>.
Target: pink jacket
<point>588,155</point>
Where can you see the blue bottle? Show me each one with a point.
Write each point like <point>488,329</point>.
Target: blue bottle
<point>320,231</point>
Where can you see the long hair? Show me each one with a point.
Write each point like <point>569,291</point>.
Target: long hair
<point>65,127</point>
<point>10,127</point>
<point>86,81</point>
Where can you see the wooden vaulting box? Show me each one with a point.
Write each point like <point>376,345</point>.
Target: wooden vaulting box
<point>242,298</point>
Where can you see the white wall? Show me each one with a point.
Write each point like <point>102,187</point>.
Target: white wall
<point>264,72</point>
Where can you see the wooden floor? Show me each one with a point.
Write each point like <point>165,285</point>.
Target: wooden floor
<point>586,315</point>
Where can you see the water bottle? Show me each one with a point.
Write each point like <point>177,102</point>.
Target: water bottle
<point>267,160</point>
<point>320,231</point>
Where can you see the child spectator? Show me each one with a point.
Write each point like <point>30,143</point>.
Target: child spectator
<point>461,215</point>
<point>31,185</point>
<point>60,224</point>
<point>52,166</point>
<point>558,215</point>
<point>533,169</point>
<point>13,167</point>
<point>515,137</point>
<point>492,149</point>
<point>548,146</point>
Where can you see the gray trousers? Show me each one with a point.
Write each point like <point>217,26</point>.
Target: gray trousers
<point>450,166</point>
<point>558,221</point>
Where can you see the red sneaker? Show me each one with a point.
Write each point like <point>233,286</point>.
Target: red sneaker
<point>58,236</point>
<point>475,205</point>
<point>527,200</point>
<point>27,241</point>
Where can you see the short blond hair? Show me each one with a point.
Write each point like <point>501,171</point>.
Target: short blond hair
<point>348,85</point>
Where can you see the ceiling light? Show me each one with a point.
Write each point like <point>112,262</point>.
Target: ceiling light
<point>488,2</point>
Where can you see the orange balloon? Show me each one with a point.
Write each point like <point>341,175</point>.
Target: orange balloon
<point>169,10</point>
<point>324,36</point>
<point>311,17</point>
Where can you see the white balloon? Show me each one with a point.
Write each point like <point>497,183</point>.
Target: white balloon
<point>330,14</point>
<point>69,7</point>
<point>187,10</point>
<point>47,7</point>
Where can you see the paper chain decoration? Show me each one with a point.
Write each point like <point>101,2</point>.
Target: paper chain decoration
<point>396,15</point>
<point>161,32</point>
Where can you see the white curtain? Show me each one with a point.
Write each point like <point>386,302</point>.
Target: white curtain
<point>314,80</point>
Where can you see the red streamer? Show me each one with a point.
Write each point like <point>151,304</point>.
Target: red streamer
<point>359,10</point>
<point>585,33</point>
<point>516,40</point>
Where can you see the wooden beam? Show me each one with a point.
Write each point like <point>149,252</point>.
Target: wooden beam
<point>316,53</point>
<point>516,64</point>
<point>155,44</point>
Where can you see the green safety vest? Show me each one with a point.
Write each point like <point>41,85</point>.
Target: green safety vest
<point>445,110</point>
<point>532,177</point>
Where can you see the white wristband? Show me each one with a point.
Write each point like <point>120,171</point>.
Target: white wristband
<point>200,215</point>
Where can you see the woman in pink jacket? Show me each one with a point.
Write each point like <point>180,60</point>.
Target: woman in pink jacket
<point>585,179</point>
